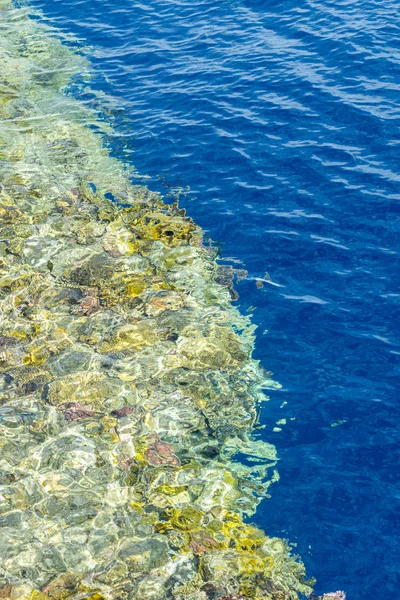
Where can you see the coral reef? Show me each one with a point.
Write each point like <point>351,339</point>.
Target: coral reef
<point>127,385</point>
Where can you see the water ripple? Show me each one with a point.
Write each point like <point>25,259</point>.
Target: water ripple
<point>278,124</point>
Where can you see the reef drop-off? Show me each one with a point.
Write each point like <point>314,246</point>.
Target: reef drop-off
<point>127,385</point>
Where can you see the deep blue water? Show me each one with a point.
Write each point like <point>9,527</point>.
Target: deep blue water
<point>281,122</point>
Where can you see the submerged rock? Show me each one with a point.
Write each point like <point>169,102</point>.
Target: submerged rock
<point>127,382</point>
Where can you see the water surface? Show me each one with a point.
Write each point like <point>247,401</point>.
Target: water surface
<point>279,121</point>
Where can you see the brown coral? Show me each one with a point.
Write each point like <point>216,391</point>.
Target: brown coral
<point>90,303</point>
<point>160,453</point>
<point>76,412</point>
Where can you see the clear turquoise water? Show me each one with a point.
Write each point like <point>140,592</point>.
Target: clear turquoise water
<point>280,123</point>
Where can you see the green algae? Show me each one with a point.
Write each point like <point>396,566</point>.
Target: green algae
<point>127,385</point>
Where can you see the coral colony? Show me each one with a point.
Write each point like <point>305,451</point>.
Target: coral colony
<point>127,385</point>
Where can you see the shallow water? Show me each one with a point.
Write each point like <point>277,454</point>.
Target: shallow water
<point>282,119</point>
